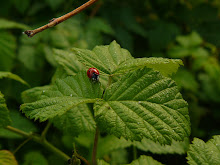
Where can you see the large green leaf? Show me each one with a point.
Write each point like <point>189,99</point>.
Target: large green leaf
<point>141,104</point>
<point>75,121</point>
<point>7,50</point>
<point>63,96</point>
<point>12,76</point>
<point>204,153</point>
<point>68,61</point>
<point>7,158</point>
<point>145,160</point>
<point>176,147</point>
<point>104,58</point>
<point>4,113</point>
<point>102,162</point>
<point>166,66</point>
<point>6,24</point>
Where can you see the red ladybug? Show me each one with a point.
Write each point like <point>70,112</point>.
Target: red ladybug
<point>93,74</point>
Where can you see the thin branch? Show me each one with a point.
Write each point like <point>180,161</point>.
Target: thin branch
<point>82,158</point>
<point>56,21</point>
<point>22,144</point>
<point>38,139</point>
<point>94,162</point>
<point>43,134</point>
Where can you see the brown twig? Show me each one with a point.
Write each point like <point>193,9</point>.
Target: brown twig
<point>55,21</point>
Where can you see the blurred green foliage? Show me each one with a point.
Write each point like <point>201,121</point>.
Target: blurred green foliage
<point>184,29</point>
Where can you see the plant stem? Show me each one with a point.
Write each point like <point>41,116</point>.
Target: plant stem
<point>134,153</point>
<point>55,21</point>
<point>109,81</point>
<point>43,134</point>
<point>22,144</point>
<point>94,162</point>
<point>82,158</point>
<point>38,139</point>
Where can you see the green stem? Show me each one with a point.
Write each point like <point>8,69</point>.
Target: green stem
<point>21,145</point>
<point>134,153</point>
<point>109,81</point>
<point>94,162</point>
<point>43,134</point>
<point>38,139</point>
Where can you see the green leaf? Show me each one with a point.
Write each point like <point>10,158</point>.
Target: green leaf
<point>204,153</point>
<point>111,143</point>
<point>68,61</point>
<point>63,96</point>
<point>102,162</point>
<point>7,50</point>
<point>176,147</point>
<point>7,158</point>
<point>35,158</point>
<point>104,58</point>
<point>141,104</point>
<point>191,40</point>
<point>145,160</point>
<point>75,121</point>
<point>34,94</point>
<point>4,113</point>
<point>6,24</point>
<point>12,76</point>
<point>166,66</point>
<point>21,5</point>
<point>20,122</point>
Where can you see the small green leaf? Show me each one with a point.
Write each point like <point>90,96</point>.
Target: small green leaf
<point>63,96</point>
<point>104,58</point>
<point>102,162</point>
<point>4,113</point>
<point>7,158</point>
<point>176,147</point>
<point>191,40</point>
<point>166,66</point>
<point>12,76</point>
<point>35,157</point>
<point>141,104</point>
<point>6,24</point>
<point>204,153</point>
<point>145,160</point>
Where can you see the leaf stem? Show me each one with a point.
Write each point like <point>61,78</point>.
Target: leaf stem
<point>43,134</point>
<point>94,162</point>
<point>56,21</point>
<point>38,139</point>
<point>22,144</point>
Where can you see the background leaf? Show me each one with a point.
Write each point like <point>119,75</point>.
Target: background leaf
<point>7,50</point>
<point>141,104</point>
<point>176,147</point>
<point>4,113</point>
<point>204,153</point>
<point>35,158</point>
<point>145,160</point>
<point>12,76</point>
<point>7,158</point>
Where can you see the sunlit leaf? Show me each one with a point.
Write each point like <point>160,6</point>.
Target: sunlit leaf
<point>12,76</point>
<point>145,160</point>
<point>141,104</point>
<point>7,158</point>
<point>204,153</point>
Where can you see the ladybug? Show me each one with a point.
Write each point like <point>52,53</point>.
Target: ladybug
<point>93,74</point>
